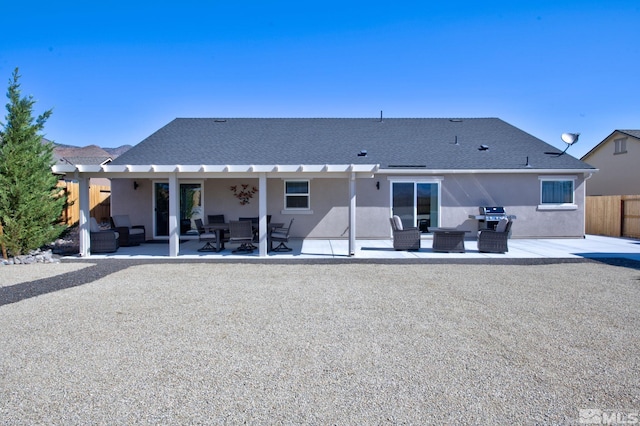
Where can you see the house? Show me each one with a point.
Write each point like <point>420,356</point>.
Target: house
<point>92,154</point>
<point>344,177</point>
<point>617,158</point>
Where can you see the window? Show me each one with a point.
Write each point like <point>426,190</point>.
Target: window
<point>620,146</point>
<point>557,192</point>
<point>296,195</point>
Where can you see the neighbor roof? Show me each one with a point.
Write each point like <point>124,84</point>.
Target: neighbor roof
<point>432,143</point>
<point>91,154</point>
<point>632,133</point>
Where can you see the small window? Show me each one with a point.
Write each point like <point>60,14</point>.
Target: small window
<point>620,146</point>
<point>296,195</point>
<point>557,192</point>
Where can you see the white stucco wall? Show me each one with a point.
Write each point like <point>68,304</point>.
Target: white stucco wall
<point>461,195</point>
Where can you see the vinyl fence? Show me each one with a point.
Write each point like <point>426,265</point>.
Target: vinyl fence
<point>613,215</point>
<point>99,202</point>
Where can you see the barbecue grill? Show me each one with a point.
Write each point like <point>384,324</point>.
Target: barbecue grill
<point>490,216</point>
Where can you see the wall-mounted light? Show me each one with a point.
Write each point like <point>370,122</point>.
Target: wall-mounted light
<point>135,185</point>
<point>378,185</point>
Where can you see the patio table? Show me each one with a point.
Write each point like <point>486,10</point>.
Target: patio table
<point>449,240</point>
<point>219,228</point>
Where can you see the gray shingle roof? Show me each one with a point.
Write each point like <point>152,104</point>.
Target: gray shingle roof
<point>429,142</point>
<point>634,133</point>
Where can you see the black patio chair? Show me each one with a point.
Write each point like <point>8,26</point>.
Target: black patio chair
<point>241,232</point>
<point>206,237</point>
<point>280,235</point>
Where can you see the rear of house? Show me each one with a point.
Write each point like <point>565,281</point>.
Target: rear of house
<point>430,172</point>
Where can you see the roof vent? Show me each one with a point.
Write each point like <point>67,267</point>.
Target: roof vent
<point>219,120</point>
<point>483,147</point>
<point>455,120</point>
<point>362,153</point>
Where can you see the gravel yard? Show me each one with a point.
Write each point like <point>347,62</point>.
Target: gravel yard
<point>299,343</point>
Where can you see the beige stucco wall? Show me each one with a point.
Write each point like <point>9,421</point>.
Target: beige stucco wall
<point>619,173</point>
<point>461,195</point>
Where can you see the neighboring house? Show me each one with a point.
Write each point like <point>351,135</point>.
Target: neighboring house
<point>91,154</point>
<point>344,178</point>
<point>617,157</point>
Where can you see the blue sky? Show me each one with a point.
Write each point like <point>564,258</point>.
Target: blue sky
<point>115,72</point>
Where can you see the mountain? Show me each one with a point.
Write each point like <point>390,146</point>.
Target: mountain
<point>90,154</point>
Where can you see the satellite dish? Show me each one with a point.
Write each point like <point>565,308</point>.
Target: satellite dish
<point>570,138</point>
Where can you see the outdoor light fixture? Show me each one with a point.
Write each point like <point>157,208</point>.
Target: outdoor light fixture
<point>378,185</point>
<point>135,185</point>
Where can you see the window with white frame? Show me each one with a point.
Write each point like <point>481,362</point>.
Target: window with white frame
<point>557,191</point>
<point>620,146</point>
<point>296,195</point>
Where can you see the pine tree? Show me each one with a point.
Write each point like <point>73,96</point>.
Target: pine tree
<point>30,204</point>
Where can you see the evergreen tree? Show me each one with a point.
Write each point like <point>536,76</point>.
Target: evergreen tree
<point>30,204</point>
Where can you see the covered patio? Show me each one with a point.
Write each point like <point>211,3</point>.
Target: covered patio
<point>592,246</point>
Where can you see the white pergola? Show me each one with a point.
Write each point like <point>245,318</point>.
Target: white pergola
<point>174,173</point>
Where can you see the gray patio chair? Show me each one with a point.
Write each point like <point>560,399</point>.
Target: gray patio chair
<point>404,238</point>
<point>129,235</point>
<point>280,235</point>
<point>206,237</point>
<point>241,232</point>
<point>495,241</point>
<point>102,240</point>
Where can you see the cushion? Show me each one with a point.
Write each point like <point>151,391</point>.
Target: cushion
<point>93,225</point>
<point>397,222</point>
<point>121,220</point>
<point>502,225</point>
<point>136,231</point>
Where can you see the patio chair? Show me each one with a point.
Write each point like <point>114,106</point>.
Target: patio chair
<point>215,218</point>
<point>206,237</point>
<point>280,235</point>
<point>495,241</point>
<point>102,241</point>
<point>241,232</point>
<point>129,235</point>
<point>404,238</point>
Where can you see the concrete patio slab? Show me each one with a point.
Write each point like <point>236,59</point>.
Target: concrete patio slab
<point>591,246</point>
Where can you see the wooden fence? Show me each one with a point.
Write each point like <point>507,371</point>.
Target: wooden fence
<point>99,202</point>
<point>613,215</point>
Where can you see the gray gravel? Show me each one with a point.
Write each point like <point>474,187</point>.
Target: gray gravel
<point>232,343</point>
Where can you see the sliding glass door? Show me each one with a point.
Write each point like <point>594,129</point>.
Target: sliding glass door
<point>416,203</point>
<point>190,207</point>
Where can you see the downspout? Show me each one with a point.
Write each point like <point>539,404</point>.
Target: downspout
<point>584,197</point>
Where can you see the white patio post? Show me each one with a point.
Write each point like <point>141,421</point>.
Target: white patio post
<point>352,215</point>
<point>262,213</point>
<point>85,211</point>
<point>174,212</point>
